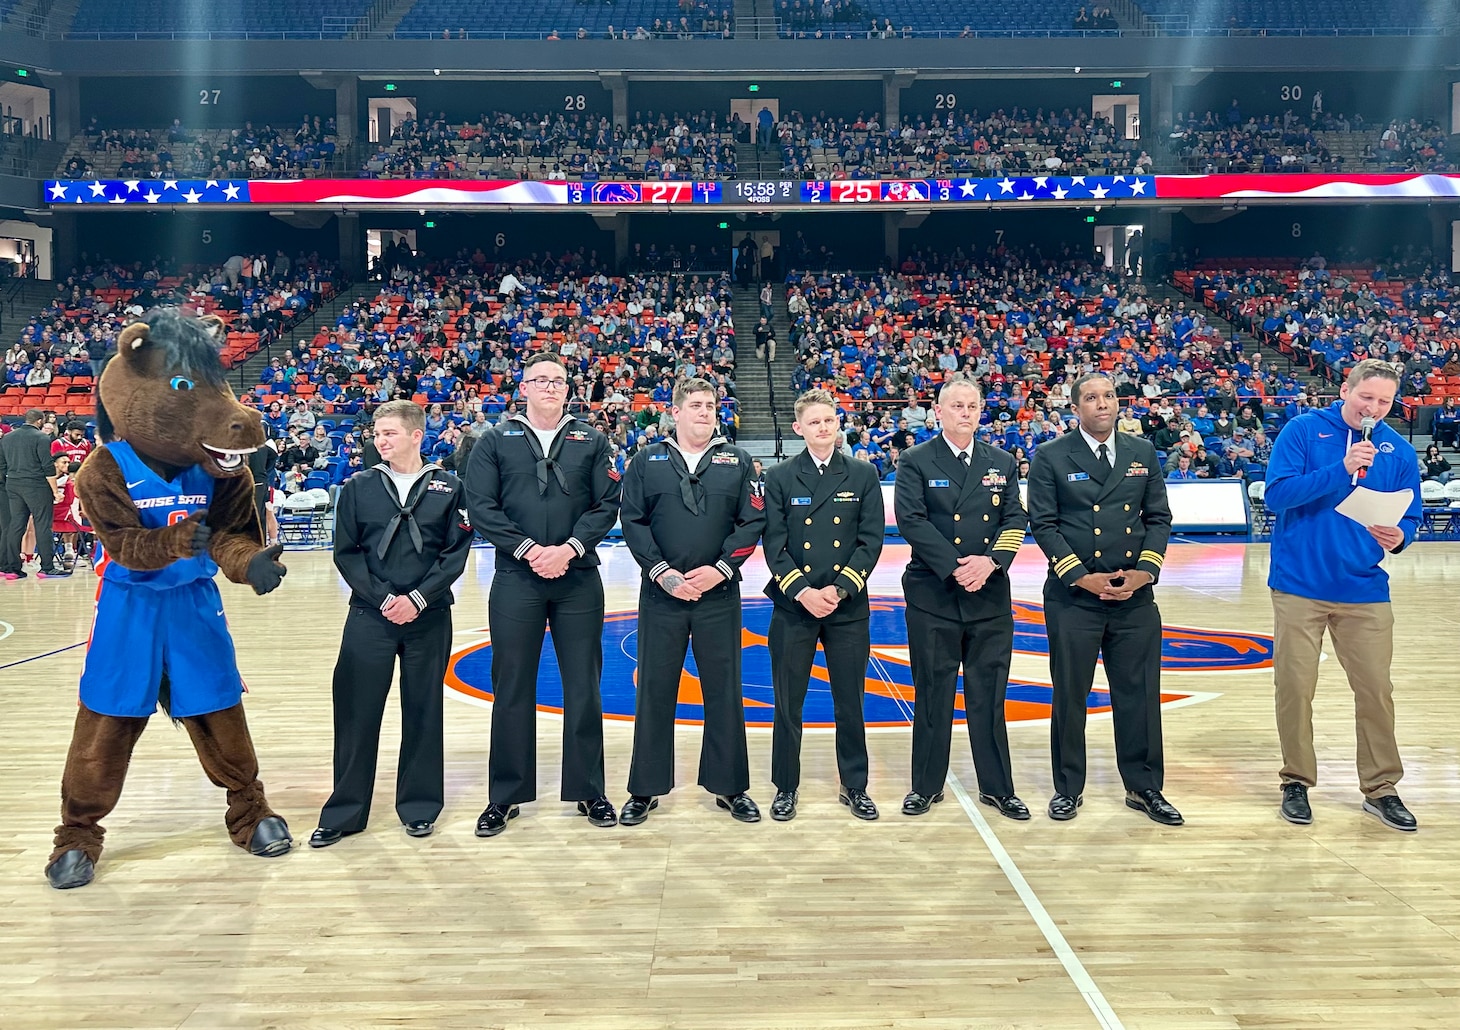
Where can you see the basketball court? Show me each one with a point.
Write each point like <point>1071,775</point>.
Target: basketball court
<point>956,919</point>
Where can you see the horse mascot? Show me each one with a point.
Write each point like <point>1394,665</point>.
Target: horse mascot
<point>171,501</point>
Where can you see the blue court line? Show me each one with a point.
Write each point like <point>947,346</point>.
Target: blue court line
<point>48,654</point>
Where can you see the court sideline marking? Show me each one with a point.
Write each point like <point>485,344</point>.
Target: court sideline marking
<point>1084,983</point>
<point>38,657</point>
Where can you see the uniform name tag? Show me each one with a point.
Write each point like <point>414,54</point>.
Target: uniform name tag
<point>1076,477</point>
<point>514,432</point>
<point>658,457</point>
<point>798,501</point>
<point>938,482</point>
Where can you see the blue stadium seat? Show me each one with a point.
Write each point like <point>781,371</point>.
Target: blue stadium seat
<point>432,17</point>
<point>234,17</point>
<point>1311,16</point>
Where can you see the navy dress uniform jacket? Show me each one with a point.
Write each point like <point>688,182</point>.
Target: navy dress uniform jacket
<point>822,530</point>
<point>1088,518</point>
<point>518,497</point>
<point>663,531</point>
<point>376,544</point>
<point>946,511</point>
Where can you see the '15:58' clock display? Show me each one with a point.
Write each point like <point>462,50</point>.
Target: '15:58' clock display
<point>756,192</point>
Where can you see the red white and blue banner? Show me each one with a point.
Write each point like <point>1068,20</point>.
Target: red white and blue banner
<point>1053,190</point>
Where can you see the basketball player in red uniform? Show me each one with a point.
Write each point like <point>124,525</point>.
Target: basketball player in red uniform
<point>72,443</point>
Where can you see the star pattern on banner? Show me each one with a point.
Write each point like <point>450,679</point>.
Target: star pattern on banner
<point>1028,188</point>
<point>146,191</point>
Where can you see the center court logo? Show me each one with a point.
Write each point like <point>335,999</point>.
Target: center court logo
<point>889,697</point>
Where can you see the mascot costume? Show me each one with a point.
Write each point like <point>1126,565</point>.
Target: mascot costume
<point>171,501</point>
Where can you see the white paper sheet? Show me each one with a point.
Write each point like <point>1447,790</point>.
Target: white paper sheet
<point>1375,507</point>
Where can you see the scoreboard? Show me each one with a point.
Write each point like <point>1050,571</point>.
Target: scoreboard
<point>751,194</point>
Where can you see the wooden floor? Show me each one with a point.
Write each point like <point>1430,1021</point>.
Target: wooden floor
<point>692,920</point>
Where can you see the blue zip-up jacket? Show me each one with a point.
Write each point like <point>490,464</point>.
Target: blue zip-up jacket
<point>1316,552</point>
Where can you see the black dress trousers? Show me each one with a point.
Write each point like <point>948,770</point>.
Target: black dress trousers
<point>29,499</point>
<point>1128,638</point>
<point>792,641</point>
<point>368,651</point>
<point>936,646</point>
<point>711,626</point>
<point>520,608</point>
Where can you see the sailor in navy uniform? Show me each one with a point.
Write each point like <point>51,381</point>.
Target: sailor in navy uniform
<point>957,504</point>
<point>824,528</point>
<point>401,540</point>
<point>690,518</point>
<point>1097,506</point>
<point>543,488</point>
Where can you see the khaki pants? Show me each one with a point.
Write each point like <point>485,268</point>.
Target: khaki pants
<point>1363,638</point>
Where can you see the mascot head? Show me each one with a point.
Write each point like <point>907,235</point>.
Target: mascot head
<point>166,393</point>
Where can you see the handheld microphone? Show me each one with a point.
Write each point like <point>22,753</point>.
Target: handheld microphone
<point>1368,427</point>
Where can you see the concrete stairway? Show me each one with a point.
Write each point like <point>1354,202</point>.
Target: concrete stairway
<point>754,379</point>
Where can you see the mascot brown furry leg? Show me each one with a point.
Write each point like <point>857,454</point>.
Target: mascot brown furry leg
<point>169,496</point>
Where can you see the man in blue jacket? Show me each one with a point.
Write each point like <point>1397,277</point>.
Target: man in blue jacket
<point>1325,574</point>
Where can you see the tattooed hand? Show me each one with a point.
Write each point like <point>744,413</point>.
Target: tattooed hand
<point>674,584</point>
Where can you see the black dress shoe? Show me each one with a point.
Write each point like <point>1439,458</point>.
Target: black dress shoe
<point>324,836</point>
<point>783,808</point>
<point>1295,808</point>
<point>270,838</point>
<point>1391,812</point>
<point>636,809</point>
<point>72,869</point>
<point>1008,805</point>
<point>494,819</point>
<point>420,828</point>
<point>1154,805</point>
<point>1063,807</point>
<point>740,806</point>
<point>600,811</point>
<point>919,804</point>
<point>857,800</point>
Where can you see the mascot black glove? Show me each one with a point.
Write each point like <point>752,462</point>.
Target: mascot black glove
<point>265,573</point>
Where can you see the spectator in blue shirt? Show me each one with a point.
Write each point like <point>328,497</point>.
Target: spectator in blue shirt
<point>1180,470</point>
<point>1446,426</point>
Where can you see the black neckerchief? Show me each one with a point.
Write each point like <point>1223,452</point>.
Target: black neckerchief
<point>688,480</point>
<point>546,462</point>
<point>404,512</point>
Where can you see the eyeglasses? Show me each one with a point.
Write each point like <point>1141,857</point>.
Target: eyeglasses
<point>546,383</point>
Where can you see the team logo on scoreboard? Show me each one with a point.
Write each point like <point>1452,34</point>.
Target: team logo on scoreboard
<point>889,697</point>
<point>617,193</point>
<point>905,190</point>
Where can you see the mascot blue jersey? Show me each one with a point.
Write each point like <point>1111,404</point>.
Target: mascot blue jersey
<point>159,504</point>
<point>168,621</point>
